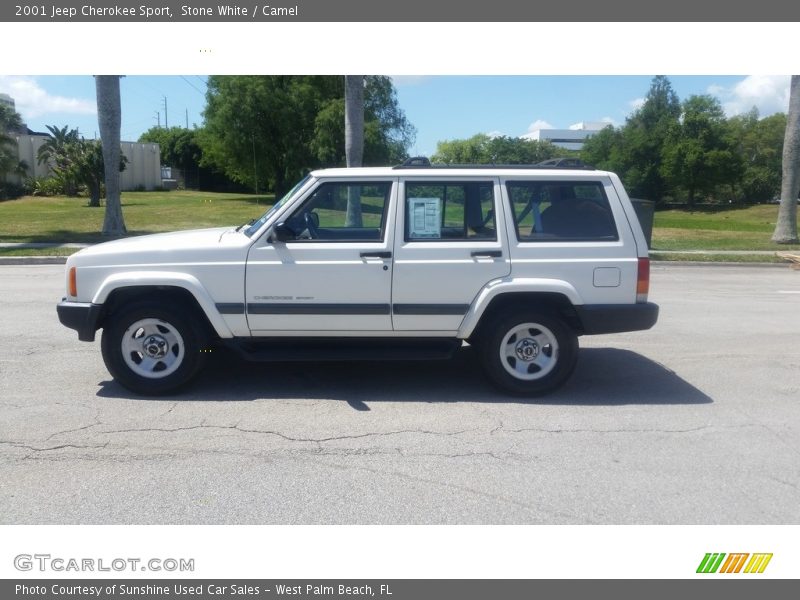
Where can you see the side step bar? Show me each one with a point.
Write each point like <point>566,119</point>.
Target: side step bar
<point>336,349</point>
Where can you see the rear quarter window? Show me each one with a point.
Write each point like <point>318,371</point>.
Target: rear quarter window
<point>546,211</point>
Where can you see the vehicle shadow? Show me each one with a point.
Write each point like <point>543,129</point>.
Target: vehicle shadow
<point>603,377</point>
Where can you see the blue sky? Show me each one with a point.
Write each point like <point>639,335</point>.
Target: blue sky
<point>440,107</point>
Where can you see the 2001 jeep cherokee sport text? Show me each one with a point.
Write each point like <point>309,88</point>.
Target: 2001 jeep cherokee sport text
<point>378,263</point>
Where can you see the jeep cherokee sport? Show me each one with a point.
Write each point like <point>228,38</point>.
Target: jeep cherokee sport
<point>378,263</point>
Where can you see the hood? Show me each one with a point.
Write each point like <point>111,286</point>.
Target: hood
<point>163,246</point>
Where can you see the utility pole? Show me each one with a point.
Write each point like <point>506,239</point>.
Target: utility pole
<point>158,116</point>
<point>187,118</point>
<point>166,115</point>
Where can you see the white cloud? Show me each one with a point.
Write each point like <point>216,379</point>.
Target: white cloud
<point>406,80</point>
<point>637,103</point>
<point>32,100</point>
<point>495,134</point>
<point>610,121</point>
<point>539,124</point>
<point>768,93</point>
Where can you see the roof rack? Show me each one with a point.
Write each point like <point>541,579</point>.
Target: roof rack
<point>414,162</point>
<point>422,162</point>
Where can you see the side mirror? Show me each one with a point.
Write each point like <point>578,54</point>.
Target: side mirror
<point>284,233</point>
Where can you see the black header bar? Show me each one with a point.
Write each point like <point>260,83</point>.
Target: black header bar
<point>399,11</point>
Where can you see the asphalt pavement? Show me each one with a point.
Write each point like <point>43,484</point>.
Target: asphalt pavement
<point>694,422</point>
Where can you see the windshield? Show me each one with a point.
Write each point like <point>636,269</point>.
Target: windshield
<point>256,225</point>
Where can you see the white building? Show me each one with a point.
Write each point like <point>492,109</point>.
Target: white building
<point>142,171</point>
<point>569,139</point>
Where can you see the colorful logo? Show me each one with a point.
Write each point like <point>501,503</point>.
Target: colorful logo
<point>713,563</point>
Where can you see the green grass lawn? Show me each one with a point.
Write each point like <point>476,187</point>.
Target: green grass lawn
<point>733,229</point>
<point>60,219</point>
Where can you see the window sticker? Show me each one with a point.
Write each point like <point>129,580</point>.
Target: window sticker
<point>424,217</point>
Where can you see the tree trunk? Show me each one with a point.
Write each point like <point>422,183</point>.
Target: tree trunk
<point>353,141</point>
<point>94,194</point>
<point>786,227</point>
<point>109,117</point>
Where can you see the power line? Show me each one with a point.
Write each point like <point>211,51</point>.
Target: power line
<point>193,86</point>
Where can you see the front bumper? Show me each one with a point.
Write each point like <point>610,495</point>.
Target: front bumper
<point>616,318</point>
<point>83,317</point>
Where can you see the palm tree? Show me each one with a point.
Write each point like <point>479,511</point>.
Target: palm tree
<point>109,117</point>
<point>60,150</point>
<point>9,121</point>
<point>786,227</point>
<point>353,141</point>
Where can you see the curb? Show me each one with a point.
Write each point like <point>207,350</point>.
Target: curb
<point>698,263</point>
<point>33,260</point>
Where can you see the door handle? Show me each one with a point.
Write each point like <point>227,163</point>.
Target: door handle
<point>486,254</point>
<point>376,255</point>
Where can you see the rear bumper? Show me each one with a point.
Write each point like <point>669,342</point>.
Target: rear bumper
<point>616,318</point>
<point>80,316</point>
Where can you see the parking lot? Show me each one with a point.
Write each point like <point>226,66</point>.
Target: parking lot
<point>694,422</point>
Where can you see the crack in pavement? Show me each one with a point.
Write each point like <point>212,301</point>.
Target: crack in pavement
<point>538,510</point>
<point>59,447</point>
<point>289,438</point>
<point>85,427</point>
<point>502,428</point>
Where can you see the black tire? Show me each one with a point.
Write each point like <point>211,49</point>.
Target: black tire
<point>529,352</point>
<point>150,349</point>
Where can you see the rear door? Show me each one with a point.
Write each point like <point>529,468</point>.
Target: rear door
<point>447,247</point>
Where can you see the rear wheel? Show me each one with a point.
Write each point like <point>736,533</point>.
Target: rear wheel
<point>529,353</point>
<point>151,349</point>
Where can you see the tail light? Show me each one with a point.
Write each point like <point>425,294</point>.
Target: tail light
<point>643,280</point>
<point>73,282</point>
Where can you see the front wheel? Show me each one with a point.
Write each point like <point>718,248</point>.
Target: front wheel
<point>529,353</point>
<point>150,349</point>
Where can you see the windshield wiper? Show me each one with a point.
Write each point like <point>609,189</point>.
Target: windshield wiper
<point>245,224</point>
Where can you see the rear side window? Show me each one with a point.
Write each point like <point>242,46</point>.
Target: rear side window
<point>450,211</point>
<point>561,210</point>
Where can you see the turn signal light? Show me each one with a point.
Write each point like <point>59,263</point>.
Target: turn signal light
<point>643,280</point>
<point>73,282</point>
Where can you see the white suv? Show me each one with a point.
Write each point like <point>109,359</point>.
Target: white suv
<point>378,263</point>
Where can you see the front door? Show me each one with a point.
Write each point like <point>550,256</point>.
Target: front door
<point>335,274</point>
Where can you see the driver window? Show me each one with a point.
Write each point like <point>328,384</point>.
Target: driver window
<point>344,212</point>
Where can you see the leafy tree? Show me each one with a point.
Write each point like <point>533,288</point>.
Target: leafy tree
<point>262,126</point>
<point>277,127</point>
<point>786,226</point>
<point>758,144</point>
<point>644,135</point>
<point>697,156</point>
<point>109,117</point>
<point>179,147</point>
<point>91,169</point>
<point>484,149</point>
<point>604,150</point>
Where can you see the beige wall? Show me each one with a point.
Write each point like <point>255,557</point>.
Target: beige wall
<point>142,170</point>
